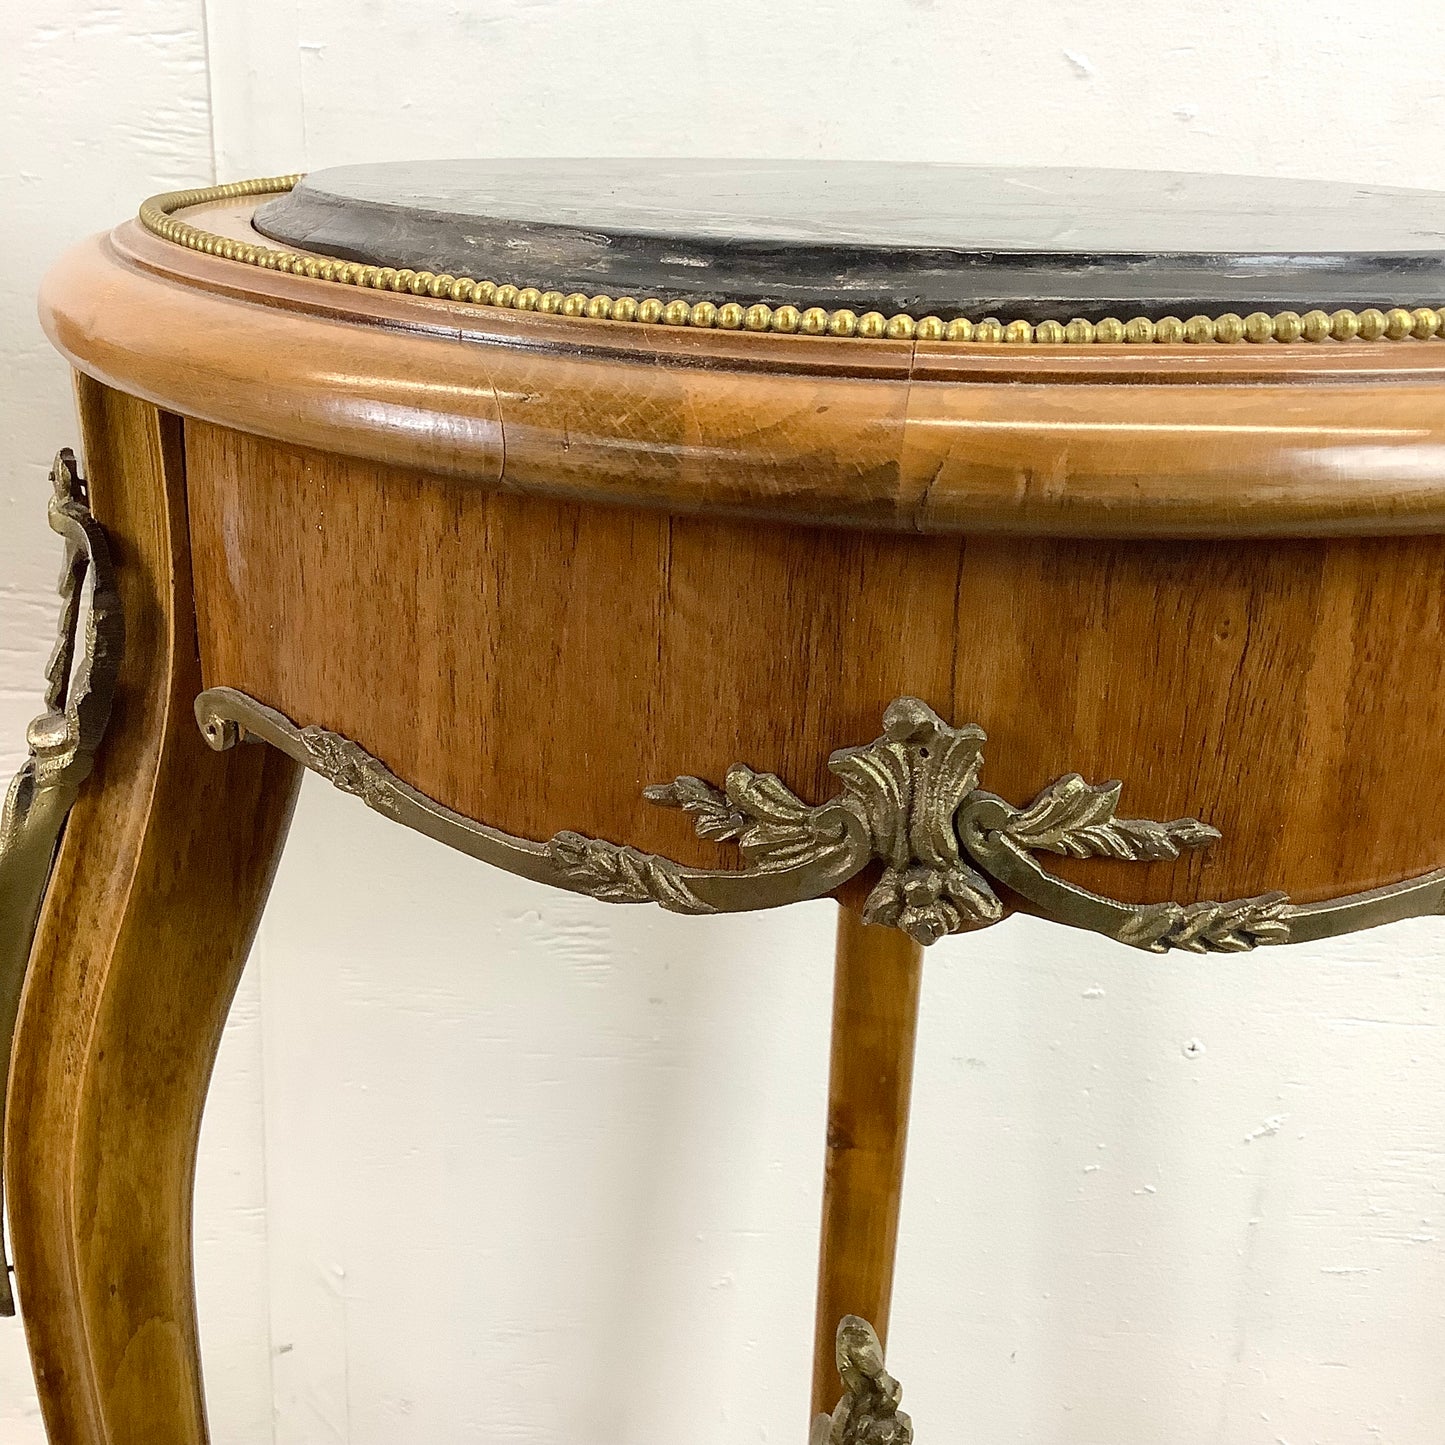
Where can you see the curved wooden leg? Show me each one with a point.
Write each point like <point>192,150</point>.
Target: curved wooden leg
<point>160,878</point>
<point>875,1020</point>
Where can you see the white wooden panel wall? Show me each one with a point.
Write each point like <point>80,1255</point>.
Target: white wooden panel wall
<point>486,1164</point>
<point>99,104</point>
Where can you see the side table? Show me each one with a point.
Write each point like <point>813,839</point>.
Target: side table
<point>715,535</point>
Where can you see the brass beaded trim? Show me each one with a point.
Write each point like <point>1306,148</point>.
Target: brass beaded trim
<point>1393,323</point>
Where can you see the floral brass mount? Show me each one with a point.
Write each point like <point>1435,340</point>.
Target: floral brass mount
<point>63,742</point>
<point>910,800</point>
<point>868,1413</point>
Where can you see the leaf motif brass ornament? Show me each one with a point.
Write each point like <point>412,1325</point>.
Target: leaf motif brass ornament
<point>900,794</point>
<point>623,875</point>
<point>941,838</point>
<point>1078,820</point>
<point>349,767</point>
<point>810,851</point>
<point>868,1413</point>
<point>910,800</point>
<point>907,786</point>
<point>63,742</point>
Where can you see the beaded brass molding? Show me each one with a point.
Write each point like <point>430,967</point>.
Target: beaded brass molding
<point>1382,323</point>
<point>63,743</point>
<point>910,801</point>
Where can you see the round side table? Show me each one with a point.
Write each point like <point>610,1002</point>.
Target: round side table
<point>716,536</point>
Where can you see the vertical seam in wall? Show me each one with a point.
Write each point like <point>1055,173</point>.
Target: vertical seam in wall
<point>301,163</point>
<point>258,962</point>
<point>210,88</point>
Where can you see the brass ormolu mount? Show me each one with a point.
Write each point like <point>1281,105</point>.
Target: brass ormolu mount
<point>910,800</point>
<point>868,1413</point>
<point>63,742</point>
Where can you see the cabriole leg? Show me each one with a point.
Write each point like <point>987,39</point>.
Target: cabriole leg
<point>160,878</point>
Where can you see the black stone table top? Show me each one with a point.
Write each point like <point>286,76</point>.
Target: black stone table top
<point>918,238</point>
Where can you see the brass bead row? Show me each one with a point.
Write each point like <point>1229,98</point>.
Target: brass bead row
<point>1372,324</point>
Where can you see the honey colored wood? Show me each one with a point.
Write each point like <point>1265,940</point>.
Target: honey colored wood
<point>1211,572</point>
<point>1147,441</point>
<point>877,979</point>
<point>159,881</point>
<point>534,664</point>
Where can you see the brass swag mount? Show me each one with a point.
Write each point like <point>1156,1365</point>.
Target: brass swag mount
<point>63,743</point>
<point>910,800</point>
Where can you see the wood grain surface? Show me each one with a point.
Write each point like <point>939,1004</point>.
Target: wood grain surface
<point>160,878</point>
<point>877,981</point>
<point>1099,441</point>
<point>534,663</point>
<point>534,564</point>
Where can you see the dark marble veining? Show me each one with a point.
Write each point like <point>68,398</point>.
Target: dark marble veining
<point>921,238</point>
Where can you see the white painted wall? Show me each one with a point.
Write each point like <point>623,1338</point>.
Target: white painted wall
<point>483,1163</point>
